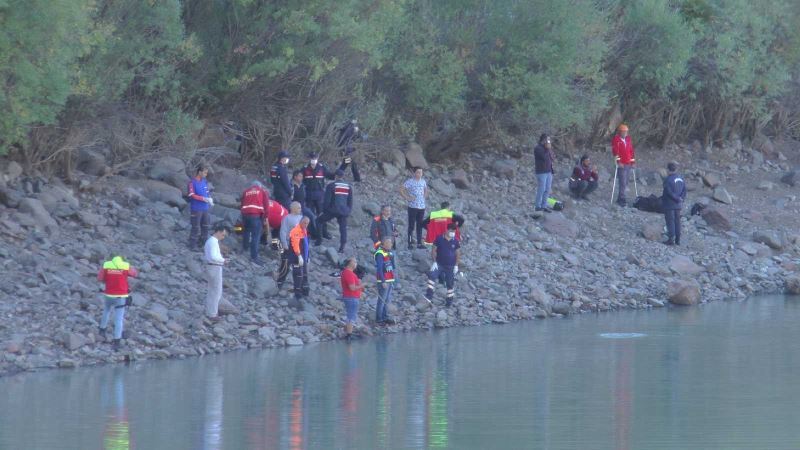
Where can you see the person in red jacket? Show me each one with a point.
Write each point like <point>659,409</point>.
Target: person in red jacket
<point>255,206</point>
<point>115,274</point>
<point>275,214</point>
<point>622,148</point>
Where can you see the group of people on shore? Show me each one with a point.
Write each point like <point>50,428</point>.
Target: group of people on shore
<point>300,206</point>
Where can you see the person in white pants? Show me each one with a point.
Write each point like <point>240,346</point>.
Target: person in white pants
<point>215,262</point>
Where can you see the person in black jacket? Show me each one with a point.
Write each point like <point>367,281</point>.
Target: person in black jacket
<point>337,204</point>
<point>279,177</point>
<point>299,195</point>
<point>543,156</point>
<point>672,198</point>
<point>344,142</point>
<point>314,176</point>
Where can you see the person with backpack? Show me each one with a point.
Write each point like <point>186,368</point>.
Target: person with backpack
<point>584,179</point>
<point>625,158</point>
<point>200,203</point>
<point>543,157</point>
<point>114,274</point>
<point>672,197</point>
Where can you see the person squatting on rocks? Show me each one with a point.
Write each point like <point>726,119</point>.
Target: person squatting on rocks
<point>386,277</point>
<point>275,215</point>
<point>543,161</point>
<point>255,205</point>
<point>338,204</point>
<point>439,222</point>
<point>584,179</point>
<point>300,195</point>
<point>200,202</point>
<point>279,177</point>
<point>287,225</point>
<point>115,274</point>
<point>672,197</point>
<point>382,226</point>
<point>446,254</point>
<point>625,158</point>
<point>344,142</point>
<point>298,258</point>
<point>352,288</point>
<point>214,261</point>
<point>415,191</point>
<point>314,176</point>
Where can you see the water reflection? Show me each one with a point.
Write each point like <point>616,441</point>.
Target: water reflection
<point>716,377</point>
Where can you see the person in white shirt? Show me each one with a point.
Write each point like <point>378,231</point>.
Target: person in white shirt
<point>215,261</point>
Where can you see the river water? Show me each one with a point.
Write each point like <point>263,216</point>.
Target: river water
<point>718,376</point>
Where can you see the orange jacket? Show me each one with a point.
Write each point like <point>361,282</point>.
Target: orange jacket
<point>296,237</point>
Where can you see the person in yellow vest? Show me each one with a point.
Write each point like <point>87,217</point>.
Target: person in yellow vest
<point>386,277</point>
<point>436,224</point>
<point>115,274</point>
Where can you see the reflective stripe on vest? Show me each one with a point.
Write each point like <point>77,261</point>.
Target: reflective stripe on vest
<point>441,214</point>
<point>341,189</point>
<point>388,269</point>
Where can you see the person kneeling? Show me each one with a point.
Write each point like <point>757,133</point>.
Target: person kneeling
<point>584,179</point>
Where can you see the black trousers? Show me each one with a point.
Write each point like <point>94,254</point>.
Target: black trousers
<point>582,188</point>
<point>673,219</point>
<point>314,202</point>
<point>200,221</point>
<point>415,218</point>
<point>322,223</point>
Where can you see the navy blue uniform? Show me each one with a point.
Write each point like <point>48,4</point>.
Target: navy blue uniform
<point>338,204</point>
<point>446,251</point>
<point>314,182</point>
<point>348,134</point>
<point>672,197</point>
<point>281,184</point>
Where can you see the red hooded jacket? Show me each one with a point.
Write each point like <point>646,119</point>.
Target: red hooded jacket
<point>622,148</point>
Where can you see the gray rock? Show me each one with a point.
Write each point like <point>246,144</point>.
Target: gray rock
<point>10,197</point>
<point>505,168</point>
<point>441,316</point>
<point>721,195</point>
<point>13,171</point>
<point>415,156</point>
<point>768,238</point>
<point>792,284</point>
<point>562,308</point>
<point>396,157</point>
<point>538,295</point>
<point>90,219</point>
<point>170,170</point>
<point>158,191</point>
<point>162,247</point>
<point>766,185</point>
<point>652,231</point>
<point>294,341</point>
<point>683,265</point>
<point>36,209</point>
<point>683,292</point>
<point>459,179</point>
<point>333,255</point>
<point>791,177</point>
<point>226,200</point>
<point>556,223</point>
<point>74,341</point>
<point>716,218</point>
<point>263,287</point>
<point>711,179</point>
<point>226,307</point>
<point>371,208</point>
<point>158,312</point>
<point>755,249</point>
<point>390,171</point>
<point>441,187</point>
<point>91,161</point>
<point>267,333</point>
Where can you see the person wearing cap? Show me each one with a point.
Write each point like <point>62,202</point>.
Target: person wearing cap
<point>625,158</point>
<point>300,195</point>
<point>338,204</point>
<point>279,177</point>
<point>543,157</point>
<point>298,258</point>
<point>347,134</point>
<point>115,275</point>
<point>200,203</point>
<point>672,197</point>
<point>584,179</point>
<point>314,176</point>
<point>254,209</point>
<point>214,262</point>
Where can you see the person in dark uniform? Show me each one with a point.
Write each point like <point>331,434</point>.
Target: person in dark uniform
<point>672,197</point>
<point>338,204</point>
<point>446,254</point>
<point>279,177</point>
<point>344,142</point>
<point>300,195</point>
<point>314,176</point>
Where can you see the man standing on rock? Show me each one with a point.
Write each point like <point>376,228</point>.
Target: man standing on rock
<point>415,191</point>
<point>115,274</point>
<point>338,204</point>
<point>584,179</point>
<point>382,227</point>
<point>300,195</point>
<point>255,205</point>
<point>385,273</point>
<point>672,197</point>
<point>352,288</point>
<point>199,204</point>
<point>298,258</point>
<point>624,156</point>
<point>279,177</point>
<point>543,157</point>
<point>439,222</point>
<point>287,225</point>
<point>446,254</point>
<point>314,176</point>
<point>214,261</point>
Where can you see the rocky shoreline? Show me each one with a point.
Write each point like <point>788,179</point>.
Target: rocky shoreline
<point>516,264</point>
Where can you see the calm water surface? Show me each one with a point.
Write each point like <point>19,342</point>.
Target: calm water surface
<point>720,376</point>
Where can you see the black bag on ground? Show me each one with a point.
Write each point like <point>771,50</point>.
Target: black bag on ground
<point>649,204</point>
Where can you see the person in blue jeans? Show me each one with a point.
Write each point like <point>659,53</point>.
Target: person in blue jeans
<point>543,157</point>
<point>352,288</point>
<point>200,203</point>
<point>672,198</point>
<point>385,274</point>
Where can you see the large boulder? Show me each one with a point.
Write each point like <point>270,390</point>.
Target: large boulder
<point>390,171</point>
<point>459,179</point>
<point>158,191</point>
<point>170,170</point>
<point>716,218</point>
<point>229,181</point>
<point>13,171</point>
<point>505,168</point>
<point>683,292</point>
<point>791,177</point>
<point>652,231</point>
<point>442,187</point>
<point>415,156</point>
<point>91,161</point>
<point>37,210</point>
<point>10,197</point>
<point>711,179</point>
<point>768,238</point>
<point>263,287</point>
<point>556,223</point>
<point>721,195</point>
<point>793,284</point>
<point>684,265</point>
